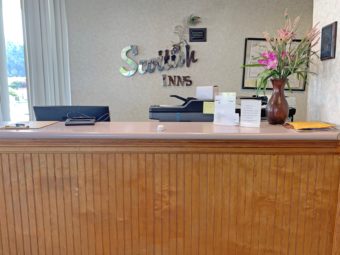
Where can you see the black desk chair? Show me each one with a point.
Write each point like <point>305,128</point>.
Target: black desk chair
<point>61,113</point>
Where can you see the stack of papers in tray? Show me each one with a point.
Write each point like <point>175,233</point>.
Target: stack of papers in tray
<point>310,125</point>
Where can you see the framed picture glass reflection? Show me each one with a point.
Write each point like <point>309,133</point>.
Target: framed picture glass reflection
<point>252,50</point>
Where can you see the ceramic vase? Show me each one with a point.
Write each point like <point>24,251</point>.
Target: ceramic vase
<point>277,107</point>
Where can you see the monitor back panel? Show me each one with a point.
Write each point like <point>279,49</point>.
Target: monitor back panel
<point>61,113</point>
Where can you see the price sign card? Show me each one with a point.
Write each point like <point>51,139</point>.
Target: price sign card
<point>250,113</point>
<point>225,104</point>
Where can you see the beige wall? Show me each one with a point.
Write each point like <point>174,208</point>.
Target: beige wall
<point>99,29</point>
<point>324,92</point>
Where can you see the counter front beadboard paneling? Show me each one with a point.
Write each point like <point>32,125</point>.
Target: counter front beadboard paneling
<point>93,200</point>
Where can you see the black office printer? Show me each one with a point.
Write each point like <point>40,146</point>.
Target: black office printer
<point>192,110</point>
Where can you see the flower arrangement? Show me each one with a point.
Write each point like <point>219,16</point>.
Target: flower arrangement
<point>283,58</point>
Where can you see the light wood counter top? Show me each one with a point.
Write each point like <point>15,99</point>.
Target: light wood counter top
<point>148,130</point>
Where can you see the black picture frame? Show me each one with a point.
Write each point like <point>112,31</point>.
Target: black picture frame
<point>197,34</point>
<point>328,41</point>
<point>248,79</point>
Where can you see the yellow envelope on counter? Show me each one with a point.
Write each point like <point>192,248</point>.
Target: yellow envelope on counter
<point>306,125</point>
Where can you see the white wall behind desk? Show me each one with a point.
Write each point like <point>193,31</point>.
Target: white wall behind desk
<point>98,30</point>
<point>324,93</point>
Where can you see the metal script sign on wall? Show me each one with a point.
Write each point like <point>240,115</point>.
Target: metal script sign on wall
<point>178,56</point>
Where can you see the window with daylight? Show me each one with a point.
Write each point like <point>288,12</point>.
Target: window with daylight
<point>17,85</point>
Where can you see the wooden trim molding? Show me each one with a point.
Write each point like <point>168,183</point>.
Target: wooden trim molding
<point>213,146</point>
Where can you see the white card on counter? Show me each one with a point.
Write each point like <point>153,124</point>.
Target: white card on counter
<point>225,105</point>
<point>250,113</point>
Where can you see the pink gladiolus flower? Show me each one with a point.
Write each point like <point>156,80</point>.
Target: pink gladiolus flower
<point>269,60</point>
<point>266,54</point>
<point>285,34</point>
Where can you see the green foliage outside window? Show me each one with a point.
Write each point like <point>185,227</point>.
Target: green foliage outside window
<point>15,60</point>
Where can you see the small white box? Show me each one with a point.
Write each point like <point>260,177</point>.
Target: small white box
<point>206,92</point>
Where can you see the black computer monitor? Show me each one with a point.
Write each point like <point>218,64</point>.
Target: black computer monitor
<point>61,113</point>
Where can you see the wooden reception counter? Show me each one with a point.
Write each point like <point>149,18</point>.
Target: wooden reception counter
<point>194,188</point>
